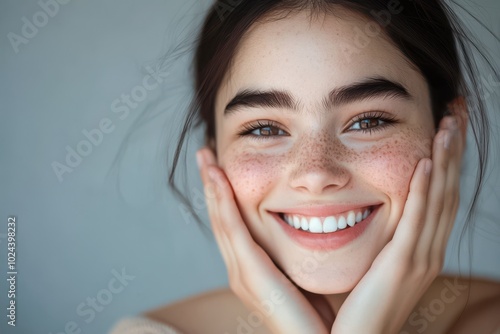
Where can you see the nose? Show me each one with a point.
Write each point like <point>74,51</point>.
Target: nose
<point>318,164</point>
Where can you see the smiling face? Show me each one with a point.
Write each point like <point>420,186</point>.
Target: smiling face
<point>325,124</point>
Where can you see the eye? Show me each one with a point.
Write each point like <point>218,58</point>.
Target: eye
<point>262,129</point>
<point>371,121</point>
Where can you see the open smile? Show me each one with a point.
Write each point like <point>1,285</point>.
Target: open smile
<point>327,232</point>
<point>327,224</point>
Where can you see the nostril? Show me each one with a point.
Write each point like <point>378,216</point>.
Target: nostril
<point>318,180</point>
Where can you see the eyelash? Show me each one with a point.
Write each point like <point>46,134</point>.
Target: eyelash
<point>377,115</point>
<point>388,120</point>
<point>249,128</point>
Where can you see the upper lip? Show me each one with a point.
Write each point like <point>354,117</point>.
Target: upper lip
<point>324,210</point>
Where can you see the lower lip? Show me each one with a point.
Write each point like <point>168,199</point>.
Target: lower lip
<point>326,241</point>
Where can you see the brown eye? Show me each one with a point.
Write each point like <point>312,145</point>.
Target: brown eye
<point>268,131</point>
<point>368,123</point>
<point>263,130</point>
<point>371,121</point>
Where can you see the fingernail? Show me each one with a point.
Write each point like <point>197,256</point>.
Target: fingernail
<point>428,167</point>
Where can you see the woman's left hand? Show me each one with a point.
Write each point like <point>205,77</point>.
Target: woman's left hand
<point>386,295</point>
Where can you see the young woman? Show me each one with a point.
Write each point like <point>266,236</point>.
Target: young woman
<point>334,139</point>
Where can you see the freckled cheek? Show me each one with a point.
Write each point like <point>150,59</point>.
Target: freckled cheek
<point>391,167</point>
<point>251,176</point>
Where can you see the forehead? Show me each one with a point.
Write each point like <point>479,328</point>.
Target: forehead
<point>308,55</point>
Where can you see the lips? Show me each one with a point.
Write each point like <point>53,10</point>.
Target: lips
<point>334,238</point>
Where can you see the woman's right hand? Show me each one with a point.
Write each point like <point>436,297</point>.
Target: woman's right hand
<point>253,277</point>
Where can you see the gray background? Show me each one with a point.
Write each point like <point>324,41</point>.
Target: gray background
<point>72,235</point>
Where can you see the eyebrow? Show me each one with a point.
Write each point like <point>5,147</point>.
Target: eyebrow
<point>366,89</point>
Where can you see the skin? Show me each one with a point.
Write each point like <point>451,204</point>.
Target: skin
<point>320,161</point>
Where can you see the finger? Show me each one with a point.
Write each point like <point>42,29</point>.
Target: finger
<point>205,157</point>
<point>451,194</point>
<point>411,222</point>
<point>211,200</point>
<point>214,215</point>
<point>233,236</point>
<point>459,109</point>
<point>209,156</point>
<point>230,220</point>
<point>230,217</point>
<point>435,196</point>
<point>228,226</point>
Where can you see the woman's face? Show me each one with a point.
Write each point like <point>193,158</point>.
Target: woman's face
<point>350,118</point>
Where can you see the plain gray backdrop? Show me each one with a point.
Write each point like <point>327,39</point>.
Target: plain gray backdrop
<point>77,232</point>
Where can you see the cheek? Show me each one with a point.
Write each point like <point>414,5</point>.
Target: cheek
<point>390,166</point>
<point>250,174</point>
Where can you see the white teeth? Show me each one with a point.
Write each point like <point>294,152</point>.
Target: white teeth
<point>328,224</point>
<point>315,225</point>
<point>342,223</point>
<point>351,218</point>
<point>288,219</point>
<point>304,224</point>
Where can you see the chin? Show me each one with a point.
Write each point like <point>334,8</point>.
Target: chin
<point>327,279</point>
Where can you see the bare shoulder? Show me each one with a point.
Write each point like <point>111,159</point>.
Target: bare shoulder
<point>455,306</point>
<point>217,311</point>
<point>481,313</point>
